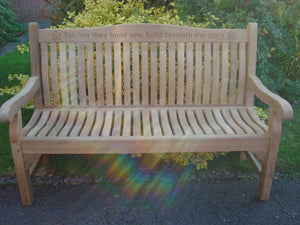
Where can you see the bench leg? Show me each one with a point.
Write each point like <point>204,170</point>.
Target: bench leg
<point>24,182</point>
<point>268,167</point>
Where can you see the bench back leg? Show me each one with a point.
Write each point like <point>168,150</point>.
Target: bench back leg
<point>24,182</point>
<point>268,168</point>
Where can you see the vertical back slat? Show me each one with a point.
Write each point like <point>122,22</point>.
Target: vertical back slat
<point>171,83</point>
<point>118,75</point>
<point>54,77</point>
<point>189,72</point>
<point>162,74</point>
<point>90,73</point>
<point>135,73</point>
<point>233,73</point>
<point>153,55</point>
<point>198,73</point>
<point>127,80</point>
<point>63,74</point>
<point>224,80</point>
<point>81,74</point>
<point>216,70</point>
<point>180,73</point>
<point>99,73</point>
<point>207,73</point>
<point>251,59</point>
<point>108,74</point>
<point>145,74</point>
<point>45,74</point>
<point>33,29</point>
<point>72,74</point>
<point>242,73</point>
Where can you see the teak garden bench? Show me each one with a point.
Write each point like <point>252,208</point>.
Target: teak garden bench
<point>144,88</point>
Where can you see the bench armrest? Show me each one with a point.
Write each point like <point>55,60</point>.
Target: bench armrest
<point>282,108</point>
<point>11,107</point>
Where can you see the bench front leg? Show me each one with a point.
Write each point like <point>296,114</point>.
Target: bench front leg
<point>268,167</point>
<point>24,181</point>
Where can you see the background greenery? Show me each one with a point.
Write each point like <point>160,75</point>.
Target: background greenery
<point>8,26</point>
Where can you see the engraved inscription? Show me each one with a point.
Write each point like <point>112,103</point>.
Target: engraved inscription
<point>232,36</point>
<point>57,36</point>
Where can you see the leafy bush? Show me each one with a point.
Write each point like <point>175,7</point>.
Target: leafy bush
<point>58,9</point>
<point>278,50</point>
<point>8,26</point>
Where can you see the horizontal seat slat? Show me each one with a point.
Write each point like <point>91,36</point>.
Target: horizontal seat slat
<point>59,124</point>
<point>127,123</point>
<point>146,123</point>
<point>43,120</point>
<point>69,125</point>
<point>231,122</point>
<point>165,123</point>
<point>51,122</point>
<point>98,124</point>
<point>156,123</point>
<point>116,131</point>
<point>86,130</point>
<point>79,124</point>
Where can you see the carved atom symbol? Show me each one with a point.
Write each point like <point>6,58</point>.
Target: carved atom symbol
<point>56,36</point>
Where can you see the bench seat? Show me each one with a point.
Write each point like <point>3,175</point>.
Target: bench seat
<point>156,88</point>
<point>130,129</point>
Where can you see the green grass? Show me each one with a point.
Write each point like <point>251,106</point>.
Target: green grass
<point>12,63</point>
<point>289,150</point>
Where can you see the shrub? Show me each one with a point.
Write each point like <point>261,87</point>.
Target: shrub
<point>278,50</point>
<point>8,26</point>
<point>59,8</point>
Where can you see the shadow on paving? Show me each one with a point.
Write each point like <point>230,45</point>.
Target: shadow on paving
<point>205,202</point>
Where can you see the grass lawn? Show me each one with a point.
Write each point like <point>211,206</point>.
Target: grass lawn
<point>13,63</point>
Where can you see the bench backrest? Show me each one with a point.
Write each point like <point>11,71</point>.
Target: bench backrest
<point>142,64</point>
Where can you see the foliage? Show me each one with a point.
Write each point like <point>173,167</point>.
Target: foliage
<point>109,12</point>
<point>277,57</point>
<point>17,88</point>
<point>262,114</point>
<point>288,12</point>
<point>8,26</point>
<point>58,9</point>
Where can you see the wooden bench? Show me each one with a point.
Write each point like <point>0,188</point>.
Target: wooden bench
<point>144,88</point>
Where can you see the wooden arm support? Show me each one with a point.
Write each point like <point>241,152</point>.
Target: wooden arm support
<point>283,109</point>
<point>10,108</point>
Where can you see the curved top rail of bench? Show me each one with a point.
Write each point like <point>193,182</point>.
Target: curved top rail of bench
<point>142,33</point>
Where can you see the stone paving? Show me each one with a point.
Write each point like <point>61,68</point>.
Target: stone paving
<point>195,202</point>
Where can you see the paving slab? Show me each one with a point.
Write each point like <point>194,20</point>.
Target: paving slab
<point>196,202</point>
